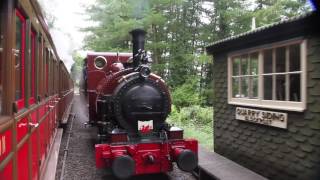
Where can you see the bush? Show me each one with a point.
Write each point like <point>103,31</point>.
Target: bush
<point>196,121</point>
<point>186,95</point>
<point>192,114</point>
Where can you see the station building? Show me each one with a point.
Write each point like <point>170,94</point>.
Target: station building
<point>267,98</point>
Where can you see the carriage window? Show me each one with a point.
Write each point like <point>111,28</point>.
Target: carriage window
<point>32,69</point>
<point>41,69</point>
<point>269,77</point>
<point>47,72</point>
<point>1,50</point>
<point>19,58</point>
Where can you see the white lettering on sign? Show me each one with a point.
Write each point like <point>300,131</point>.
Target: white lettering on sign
<point>270,118</point>
<point>2,145</point>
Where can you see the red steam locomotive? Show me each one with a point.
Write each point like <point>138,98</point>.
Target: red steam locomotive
<point>129,105</point>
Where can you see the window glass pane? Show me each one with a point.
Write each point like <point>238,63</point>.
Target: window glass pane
<point>295,87</point>
<point>33,60</point>
<point>267,85</point>
<point>254,63</point>
<point>254,87</point>
<point>29,64</point>
<point>267,61</point>
<point>18,58</point>
<point>47,72</point>
<point>244,65</point>
<point>281,59</point>
<point>235,87</point>
<point>294,57</point>
<point>280,87</point>
<point>1,50</point>
<point>244,87</point>
<point>235,66</point>
<point>31,75</point>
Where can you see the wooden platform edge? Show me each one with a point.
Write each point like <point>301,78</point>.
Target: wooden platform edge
<point>65,116</point>
<point>52,161</point>
<point>214,166</point>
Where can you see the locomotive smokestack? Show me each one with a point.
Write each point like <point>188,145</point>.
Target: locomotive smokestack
<point>138,38</point>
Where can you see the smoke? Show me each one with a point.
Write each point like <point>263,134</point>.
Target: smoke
<point>64,46</point>
<point>65,19</point>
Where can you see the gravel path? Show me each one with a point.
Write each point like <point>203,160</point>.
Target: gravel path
<point>80,163</point>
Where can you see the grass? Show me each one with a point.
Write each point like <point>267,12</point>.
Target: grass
<point>197,123</point>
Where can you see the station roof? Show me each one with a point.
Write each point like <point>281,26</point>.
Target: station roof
<point>290,28</point>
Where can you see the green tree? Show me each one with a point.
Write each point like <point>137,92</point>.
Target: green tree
<point>76,68</point>
<point>271,11</point>
<point>179,30</point>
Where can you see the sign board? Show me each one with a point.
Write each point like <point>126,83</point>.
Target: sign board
<point>270,118</point>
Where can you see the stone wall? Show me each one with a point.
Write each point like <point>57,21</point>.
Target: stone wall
<point>292,153</point>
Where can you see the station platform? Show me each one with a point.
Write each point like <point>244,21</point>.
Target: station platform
<point>214,166</point>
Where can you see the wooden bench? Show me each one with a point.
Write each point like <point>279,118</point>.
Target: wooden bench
<point>215,166</point>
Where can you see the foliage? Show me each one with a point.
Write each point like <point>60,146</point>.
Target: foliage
<point>271,11</point>
<point>76,68</point>
<point>196,122</point>
<point>186,94</point>
<point>178,32</point>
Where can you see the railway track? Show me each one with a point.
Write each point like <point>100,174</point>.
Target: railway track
<point>79,161</point>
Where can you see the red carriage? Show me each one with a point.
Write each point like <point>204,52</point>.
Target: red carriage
<point>35,91</point>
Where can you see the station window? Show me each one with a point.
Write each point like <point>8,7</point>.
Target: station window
<point>19,58</point>
<point>32,69</point>
<point>271,77</point>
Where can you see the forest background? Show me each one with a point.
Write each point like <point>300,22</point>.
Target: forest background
<point>178,32</point>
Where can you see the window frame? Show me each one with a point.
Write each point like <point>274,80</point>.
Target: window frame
<point>272,104</point>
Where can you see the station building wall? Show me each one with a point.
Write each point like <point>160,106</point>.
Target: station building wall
<point>292,153</point>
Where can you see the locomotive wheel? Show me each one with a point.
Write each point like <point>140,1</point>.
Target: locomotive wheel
<point>123,167</point>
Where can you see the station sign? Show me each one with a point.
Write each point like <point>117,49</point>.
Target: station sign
<point>269,118</point>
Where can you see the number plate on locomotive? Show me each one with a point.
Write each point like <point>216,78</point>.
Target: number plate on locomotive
<point>145,126</point>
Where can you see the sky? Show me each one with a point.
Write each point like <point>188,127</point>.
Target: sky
<point>69,16</point>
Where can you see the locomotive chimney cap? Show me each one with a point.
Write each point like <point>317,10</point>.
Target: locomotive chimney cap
<point>137,31</point>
